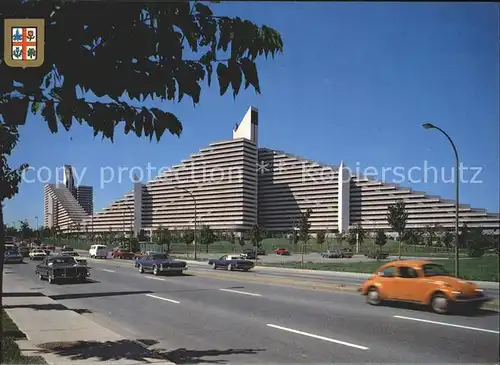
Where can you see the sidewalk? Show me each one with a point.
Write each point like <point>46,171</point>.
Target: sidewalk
<point>61,335</point>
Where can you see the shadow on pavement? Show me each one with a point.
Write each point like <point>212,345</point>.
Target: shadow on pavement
<point>97,295</point>
<point>74,282</point>
<point>47,307</point>
<point>22,294</point>
<point>453,311</point>
<point>137,351</point>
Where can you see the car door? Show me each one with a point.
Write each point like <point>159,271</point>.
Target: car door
<point>147,262</point>
<point>411,288</point>
<point>391,284</point>
<point>223,261</point>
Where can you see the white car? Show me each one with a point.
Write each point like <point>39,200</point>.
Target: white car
<point>37,254</point>
<point>80,260</point>
<point>98,251</point>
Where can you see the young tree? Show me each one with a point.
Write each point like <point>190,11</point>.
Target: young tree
<point>304,230</point>
<point>320,237</point>
<point>9,185</point>
<point>429,235</point>
<point>188,237</point>
<point>163,237</point>
<point>340,237</point>
<point>25,229</point>
<point>351,237</point>
<point>241,241</point>
<point>232,240</point>
<point>464,235</point>
<point>397,218</point>
<point>447,239</point>
<point>413,237</point>
<point>207,236</point>
<point>477,242</point>
<point>380,238</point>
<point>255,236</point>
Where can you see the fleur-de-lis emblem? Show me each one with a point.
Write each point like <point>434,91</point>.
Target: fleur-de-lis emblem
<point>18,52</point>
<point>17,37</point>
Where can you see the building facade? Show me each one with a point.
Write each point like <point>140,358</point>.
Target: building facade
<point>67,205</point>
<point>233,184</point>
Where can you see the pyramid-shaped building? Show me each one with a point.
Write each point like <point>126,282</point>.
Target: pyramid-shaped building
<point>233,184</point>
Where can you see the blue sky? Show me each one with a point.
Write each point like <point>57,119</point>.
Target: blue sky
<point>355,83</point>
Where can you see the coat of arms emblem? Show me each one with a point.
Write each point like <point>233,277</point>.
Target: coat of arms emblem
<point>24,42</point>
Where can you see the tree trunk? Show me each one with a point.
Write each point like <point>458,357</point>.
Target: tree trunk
<point>399,249</point>
<point>2,254</point>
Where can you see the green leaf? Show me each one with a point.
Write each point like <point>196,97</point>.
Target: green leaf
<point>250,72</point>
<point>203,10</point>
<point>49,114</point>
<point>235,76</point>
<point>223,76</point>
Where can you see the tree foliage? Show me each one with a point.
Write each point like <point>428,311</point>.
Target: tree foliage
<point>207,236</point>
<point>397,216</point>
<point>163,237</point>
<point>256,236</point>
<point>98,55</point>
<point>320,237</point>
<point>305,226</point>
<point>188,236</point>
<point>380,238</point>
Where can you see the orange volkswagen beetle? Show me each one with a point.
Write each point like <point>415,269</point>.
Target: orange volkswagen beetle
<point>422,282</point>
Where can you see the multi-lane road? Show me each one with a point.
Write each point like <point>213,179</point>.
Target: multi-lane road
<point>230,317</point>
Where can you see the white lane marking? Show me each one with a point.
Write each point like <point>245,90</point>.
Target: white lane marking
<point>448,324</point>
<point>161,298</point>
<point>153,278</point>
<point>318,337</point>
<point>241,292</point>
<point>108,270</point>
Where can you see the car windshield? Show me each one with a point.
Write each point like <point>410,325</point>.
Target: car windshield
<point>63,260</point>
<point>12,253</point>
<point>160,257</point>
<point>434,270</point>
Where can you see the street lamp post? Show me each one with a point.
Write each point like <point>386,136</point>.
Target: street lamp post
<point>195,218</point>
<point>37,230</point>
<point>457,192</point>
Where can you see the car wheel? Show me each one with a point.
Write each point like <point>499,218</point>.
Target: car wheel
<point>230,267</point>
<point>373,296</point>
<point>214,266</point>
<point>40,276</point>
<point>50,280</point>
<point>141,269</point>
<point>440,303</point>
<point>155,270</point>
<point>246,270</point>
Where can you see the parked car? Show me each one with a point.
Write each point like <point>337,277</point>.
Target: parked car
<point>59,268</point>
<point>50,247</point>
<point>37,254</point>
<point>231,263</point>
<point>422,282</point>
<point>378,255</point>
<point>12,257</point>
<point>24,251</point>
<point>331,254</point>
<point>75,255</point>
<point>67,248</point>
<point>160,263</point>
<point>346,253</point>
<point>282,251</point>
<point>98,251</point>
<point>123,254</point>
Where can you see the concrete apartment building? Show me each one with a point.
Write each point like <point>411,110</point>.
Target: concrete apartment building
<point>234,184</point>
<point>66,205</point>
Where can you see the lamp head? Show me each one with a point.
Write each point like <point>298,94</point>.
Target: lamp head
<point>428,125</point>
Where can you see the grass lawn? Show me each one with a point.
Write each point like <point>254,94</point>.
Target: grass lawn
<point>479,269</point>
<point>11,354</point>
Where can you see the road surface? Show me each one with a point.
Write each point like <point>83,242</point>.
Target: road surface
<point>214,318</point>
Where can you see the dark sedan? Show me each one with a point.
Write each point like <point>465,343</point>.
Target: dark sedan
<point>160,264</point>
<point>59,268</point>
<point>231,263</point>
<point>13,257</point>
